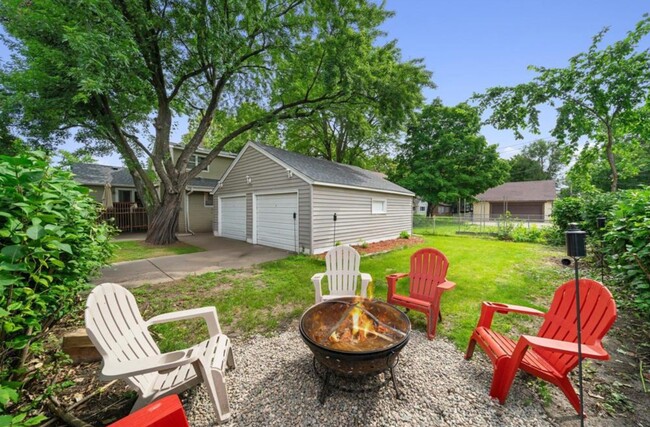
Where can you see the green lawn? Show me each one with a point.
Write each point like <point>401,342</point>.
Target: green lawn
<point>272,294</point>
<point>132,250</point>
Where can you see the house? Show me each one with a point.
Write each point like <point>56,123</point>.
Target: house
<point>420,207</point>
<point>530,200</point>
<point>196,210</point>
<point>277,198</point>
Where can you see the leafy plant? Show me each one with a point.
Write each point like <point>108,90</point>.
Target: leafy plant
<point>51,243</point>
<point>404,235</point>
<point>363,244</point>
<point>627,247</point>
<point>506,226</point>
<point>566,211</point>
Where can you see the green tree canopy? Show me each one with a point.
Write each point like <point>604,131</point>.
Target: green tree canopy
<point>121,72</point>
<point>538,160</point>
<point>602,95</point>
<point>523,168</point>
<point>444,157</point>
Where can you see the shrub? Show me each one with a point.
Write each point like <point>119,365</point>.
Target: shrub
<point>404,235</point>
<point>506,227</point>
<point>627,244</point>
<point>566,211</point>
<point>528,234</point>
<point>51,243</point>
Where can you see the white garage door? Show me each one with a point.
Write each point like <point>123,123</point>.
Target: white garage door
<point>276,226</point>
<point>233,217</point>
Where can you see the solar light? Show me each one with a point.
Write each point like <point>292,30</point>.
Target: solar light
<point>576,242</point>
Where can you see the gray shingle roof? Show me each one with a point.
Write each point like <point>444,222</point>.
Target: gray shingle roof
<point>524,191</point>
<point>324,171</point>
<point>203,182</point>
<point>94,174</point>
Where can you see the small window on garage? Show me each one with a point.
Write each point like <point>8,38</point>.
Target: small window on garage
<point>208,200</point>
<point>379,206</point>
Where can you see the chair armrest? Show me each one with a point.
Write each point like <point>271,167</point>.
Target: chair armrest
<point>317,279</point>
<point>489,308</point>
<point>391,282</point>
<point>446,285</point>
<point>590,351</point>
<point>209,314</point>
<point>157,363</point>
<point>365,281</point>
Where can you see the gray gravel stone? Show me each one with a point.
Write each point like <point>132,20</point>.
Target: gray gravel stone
<point>275,385</point>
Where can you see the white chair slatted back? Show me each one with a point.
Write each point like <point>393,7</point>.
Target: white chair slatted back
<point>342,270</point>
<point>117,330</point>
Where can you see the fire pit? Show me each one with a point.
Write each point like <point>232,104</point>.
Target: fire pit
<point>354,338</point>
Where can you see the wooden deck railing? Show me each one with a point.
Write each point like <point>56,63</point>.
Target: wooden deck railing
<point>126,216</point>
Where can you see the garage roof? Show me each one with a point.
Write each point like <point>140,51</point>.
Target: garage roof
<point>324,172</point>
<point>525,191</point>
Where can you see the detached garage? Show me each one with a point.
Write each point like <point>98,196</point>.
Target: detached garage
<point>527,200</point>
<point>277,198</point>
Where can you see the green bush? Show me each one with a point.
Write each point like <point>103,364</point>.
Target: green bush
<point>404,235</point>
<point>51,243</point>
<point>627,244</point>
<point>506,227</point>
<point>566,211</point>
<point>528,234</point>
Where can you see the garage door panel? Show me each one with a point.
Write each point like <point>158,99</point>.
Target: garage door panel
<point>275,224</point>
<point>233,217</point>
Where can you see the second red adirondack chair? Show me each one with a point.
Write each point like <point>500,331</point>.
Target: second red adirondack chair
<point>553,353</point>
<point>427,282</point>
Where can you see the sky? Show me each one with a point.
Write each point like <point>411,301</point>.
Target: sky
<point>471,45</point>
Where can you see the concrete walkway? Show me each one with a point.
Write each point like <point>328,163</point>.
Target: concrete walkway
<point>220,253</point>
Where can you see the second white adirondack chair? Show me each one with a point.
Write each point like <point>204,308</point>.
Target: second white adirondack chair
<point>342,264</point>
<point>117,330</point>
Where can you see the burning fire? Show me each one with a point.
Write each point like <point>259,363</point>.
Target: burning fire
<point>357,326</point>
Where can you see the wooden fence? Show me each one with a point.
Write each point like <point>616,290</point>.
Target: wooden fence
<point>126,216</point>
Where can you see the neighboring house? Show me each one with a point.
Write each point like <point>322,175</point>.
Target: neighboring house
<point>198,200</point>
<point>282,199</point>
<point>531,200</point>
<point>95,177</point>
<point>420,207</point>
<point>196,210</point>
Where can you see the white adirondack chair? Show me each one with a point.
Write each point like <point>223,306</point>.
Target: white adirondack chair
<point>116,328</point>
<point>342,273</point>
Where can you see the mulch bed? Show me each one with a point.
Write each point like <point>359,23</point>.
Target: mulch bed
<point>384,246</point>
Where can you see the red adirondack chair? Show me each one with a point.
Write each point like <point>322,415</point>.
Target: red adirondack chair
<point>553,353</point>
<point>427,282</point>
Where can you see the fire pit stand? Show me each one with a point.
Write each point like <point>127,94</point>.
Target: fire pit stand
<point>351,369</point>
<point>355,384</point>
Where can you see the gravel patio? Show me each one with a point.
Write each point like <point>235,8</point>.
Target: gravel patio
<point>275,385</point>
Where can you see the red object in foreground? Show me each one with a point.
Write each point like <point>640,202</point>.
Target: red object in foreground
<point>553,353</point>
<point>165,412</point>
<point>427,282</point>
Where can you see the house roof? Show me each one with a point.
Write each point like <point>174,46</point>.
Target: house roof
<point>524,191</point>
<point>117,176</point>
<point>324,172</point>
<point>94,174</point>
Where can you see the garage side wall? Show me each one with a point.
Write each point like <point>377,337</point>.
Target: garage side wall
<point>266,177</point>
<point>355,221</point>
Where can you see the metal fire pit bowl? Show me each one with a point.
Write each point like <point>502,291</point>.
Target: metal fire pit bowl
<point>353,363</point>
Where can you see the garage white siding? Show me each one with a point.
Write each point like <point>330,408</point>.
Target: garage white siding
<point>355,221</point>
<point>233,217</point>
<point>275,224</point>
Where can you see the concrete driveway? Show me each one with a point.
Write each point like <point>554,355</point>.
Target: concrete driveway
<point>220,253</point>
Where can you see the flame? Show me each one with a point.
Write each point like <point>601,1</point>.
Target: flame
<point>371,290</point>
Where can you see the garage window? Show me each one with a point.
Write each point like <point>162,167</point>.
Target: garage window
<point>378,206</point>
<point>208,200</point>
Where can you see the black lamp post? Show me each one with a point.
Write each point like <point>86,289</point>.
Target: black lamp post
<point>600,224</point>
<point>576,248</point>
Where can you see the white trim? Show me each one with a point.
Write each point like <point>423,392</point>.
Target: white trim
<point>203,151</point>
<point>254,212</point>
<point>372,206</point>
<point>311,218</point>
<point>218,232</point>
<point>375,190</point>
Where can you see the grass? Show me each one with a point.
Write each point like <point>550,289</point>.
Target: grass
<point>132,250</point>
<point>261,299</point>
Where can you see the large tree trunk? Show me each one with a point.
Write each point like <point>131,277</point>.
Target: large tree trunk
<point>162,226</point>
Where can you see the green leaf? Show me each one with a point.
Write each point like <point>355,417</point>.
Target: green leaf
<point>7,394</point>
<point>13,252</point>
<point>5,420</point>
<point>35,420</point>
<point>35,232</point>
<point>3,312</point>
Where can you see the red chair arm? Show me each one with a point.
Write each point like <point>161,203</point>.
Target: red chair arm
<point>446,285</point>
<point>391,282</point>
<point>489,308</point>
<point>590,351</point>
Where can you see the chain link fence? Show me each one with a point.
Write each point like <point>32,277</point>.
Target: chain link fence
<point>475,224</point>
